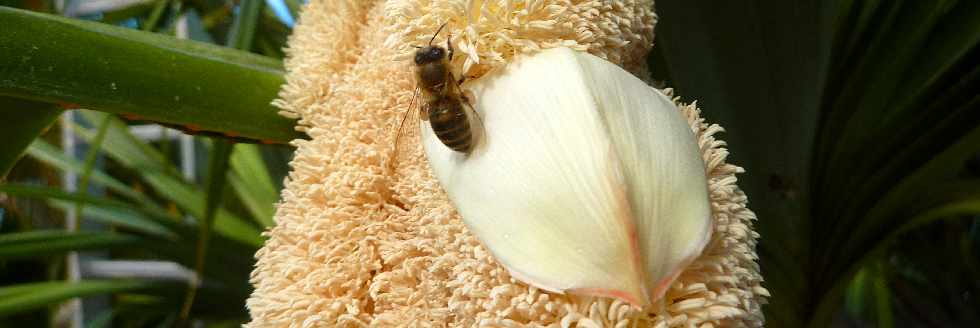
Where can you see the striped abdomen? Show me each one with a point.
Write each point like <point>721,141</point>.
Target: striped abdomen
<point>450,123</point>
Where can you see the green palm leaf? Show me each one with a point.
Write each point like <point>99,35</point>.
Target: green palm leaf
<point>48,154</point>
<point>852,119</point>
<point>48,242</point>
<point>252,183</point>
<point>124,148</point>
<point>25,297</point>
<point>21,121</point>
<point>144,75</point>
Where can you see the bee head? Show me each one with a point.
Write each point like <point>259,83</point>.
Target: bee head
<point>429,54</point>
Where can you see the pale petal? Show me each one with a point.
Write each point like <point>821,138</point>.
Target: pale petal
<point>664,171</point>
<point>577,185</point>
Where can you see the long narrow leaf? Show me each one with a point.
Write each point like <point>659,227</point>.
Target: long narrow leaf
<point>857,293</point>
<point>45,152</point>
<point>755,68</point>
<point>21,121</point>
<point>89,165</point>
<point>217,173</point>
<point>102,320</point>
<point>123,147</point>
<point>903,186</point>
<point>48,193</point>
<point>896,200</point>
<point>252,183</point>
<point>964,208</point>
<point>34,244</point>
<point>852,30</point>
<point>895,98</point>
<point>27,297</point>
<point>141,74</point>
<point>150,23</point>
<point>243,28</point>
<point>235,256</point>
<point>883,297</point>
<point>872,79</point>
<point>250,178</point>
<point>122,217</point>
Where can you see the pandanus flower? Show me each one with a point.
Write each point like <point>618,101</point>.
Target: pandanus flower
<point>590,199</point>
<point>586,180</point>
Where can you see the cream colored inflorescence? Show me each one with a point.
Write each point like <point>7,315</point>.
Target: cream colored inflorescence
<point>489,33</point>
<point>355,246</point>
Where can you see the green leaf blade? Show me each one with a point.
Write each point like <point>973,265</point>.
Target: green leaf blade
<point>196,86</point>
<point>49,154</point>
<point>34,244</point>
<point>252,183</point>
<point>123,147</point>
<point>21,121</point>
<point>26,297</point>
<point>243,28</point>
<point>122,217</point>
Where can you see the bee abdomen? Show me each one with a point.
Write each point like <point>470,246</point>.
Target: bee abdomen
<point>460,141</point>
<point>453,131</point>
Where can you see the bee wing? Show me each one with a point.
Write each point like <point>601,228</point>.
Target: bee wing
<point>410,114</point>
<point>467,101</point>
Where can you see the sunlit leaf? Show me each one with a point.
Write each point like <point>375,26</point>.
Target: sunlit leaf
<point>87,166</point>
<point>141,74</point>
<point>45,152</point>
<point>252,183</point>
<point>120,216</point>
<point>124,148</point>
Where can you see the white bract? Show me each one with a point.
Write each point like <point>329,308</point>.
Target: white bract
<point>587,180</point>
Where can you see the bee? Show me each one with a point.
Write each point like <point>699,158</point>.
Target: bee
<point>442,101</point>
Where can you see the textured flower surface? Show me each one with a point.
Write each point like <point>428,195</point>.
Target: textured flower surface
<point>356,246</point>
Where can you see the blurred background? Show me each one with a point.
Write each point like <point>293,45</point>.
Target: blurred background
<point>858,123</point>
<point>127,196</point>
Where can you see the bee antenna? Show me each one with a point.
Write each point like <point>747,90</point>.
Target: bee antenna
<point>437,32</point>
<point>416,47</point>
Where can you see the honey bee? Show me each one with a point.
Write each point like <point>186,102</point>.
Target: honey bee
<point>442,101</point>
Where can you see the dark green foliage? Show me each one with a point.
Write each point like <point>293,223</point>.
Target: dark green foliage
<point>21,121</point>
<point>853,120</point>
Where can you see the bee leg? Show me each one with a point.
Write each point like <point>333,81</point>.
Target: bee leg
<point>449,45</point>
<point>459,87</point>
<point>467,100</point>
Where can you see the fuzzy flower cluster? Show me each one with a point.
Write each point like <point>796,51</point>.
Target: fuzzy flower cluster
<point>355,247</point>
<point>489,33</point>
